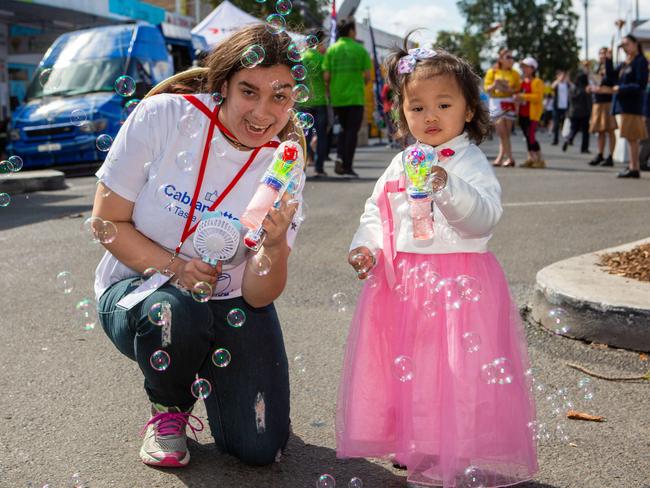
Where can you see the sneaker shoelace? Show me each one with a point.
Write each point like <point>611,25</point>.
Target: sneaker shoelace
<point>173,424</point>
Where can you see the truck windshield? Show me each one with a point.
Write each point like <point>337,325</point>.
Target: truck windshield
<point>87,76</point>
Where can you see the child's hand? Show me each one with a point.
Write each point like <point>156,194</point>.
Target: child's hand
<point>438,178</point>
<point>362,260</point>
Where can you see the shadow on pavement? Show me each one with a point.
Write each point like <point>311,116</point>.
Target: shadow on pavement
<point>31,208</point>
<point>301,465</point>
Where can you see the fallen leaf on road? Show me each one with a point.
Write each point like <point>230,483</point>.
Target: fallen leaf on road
<point>576,415</point>
<point>634,263</point>
<point>597,345</point>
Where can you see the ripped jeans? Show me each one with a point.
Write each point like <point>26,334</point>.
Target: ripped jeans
<point>248,408</point>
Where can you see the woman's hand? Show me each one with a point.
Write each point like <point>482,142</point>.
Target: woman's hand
<point>278,220</point>
<point>362,260</point>
<point>190,273</point>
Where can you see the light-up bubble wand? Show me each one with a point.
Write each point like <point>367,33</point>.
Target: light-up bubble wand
<point>418,160</point>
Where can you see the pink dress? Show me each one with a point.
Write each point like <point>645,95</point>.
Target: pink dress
<point>436,370</point>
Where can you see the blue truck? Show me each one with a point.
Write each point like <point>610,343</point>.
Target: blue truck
<point>73,99</point>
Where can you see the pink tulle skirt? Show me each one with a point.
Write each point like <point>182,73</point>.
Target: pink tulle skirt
<point>436,374</point>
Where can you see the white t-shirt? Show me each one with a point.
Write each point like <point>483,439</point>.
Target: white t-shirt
<point>146,165</point>
<point>464,214</point>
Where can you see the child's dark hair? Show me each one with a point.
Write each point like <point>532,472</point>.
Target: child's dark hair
<point>443,63</point>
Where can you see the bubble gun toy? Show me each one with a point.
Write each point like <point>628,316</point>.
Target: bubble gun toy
<point>285,173</point>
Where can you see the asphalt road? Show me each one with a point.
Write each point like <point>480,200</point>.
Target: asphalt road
<point>71,403</point>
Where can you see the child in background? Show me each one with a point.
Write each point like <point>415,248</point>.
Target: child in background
<point>436,370</point>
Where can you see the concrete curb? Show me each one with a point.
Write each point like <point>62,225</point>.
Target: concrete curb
<point>28,181</point>
<point>600,307</point>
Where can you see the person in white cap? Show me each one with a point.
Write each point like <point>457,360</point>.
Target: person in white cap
<point>530,110</point>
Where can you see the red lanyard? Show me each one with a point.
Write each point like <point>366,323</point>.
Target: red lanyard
<point>214,120</point>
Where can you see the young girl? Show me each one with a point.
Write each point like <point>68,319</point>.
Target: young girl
<point>435,366</point>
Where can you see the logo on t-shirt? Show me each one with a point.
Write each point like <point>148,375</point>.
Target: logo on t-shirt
<point>179,202</point>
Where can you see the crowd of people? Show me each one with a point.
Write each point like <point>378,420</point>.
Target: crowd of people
<point>595,102</point>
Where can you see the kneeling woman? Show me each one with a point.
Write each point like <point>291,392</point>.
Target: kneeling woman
<point>176,157</point>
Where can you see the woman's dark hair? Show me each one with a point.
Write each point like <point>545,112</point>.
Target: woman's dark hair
<point>344,26</point>
<point>639,47</point>
<point>443,63</point>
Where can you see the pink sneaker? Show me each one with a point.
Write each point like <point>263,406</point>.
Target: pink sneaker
<point>165,440</point>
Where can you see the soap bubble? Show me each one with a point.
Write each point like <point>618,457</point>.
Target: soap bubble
<point>107,233</point>
<point>92,228</point>
<point>125,86</point>
<point>276,24</point>
<point>473,477</point>
<point>88,312</point>
<point>236,318</point>
<point>294,53</point>
<point>5,199</point>
<point>299,362</point>
<point>311,41</point>
<point>300,93</point>
<point>160,360</point>
<point>221,357</point>
<point>64,282</point>
<point>157,313</point>
<point>304,120</point>
<point>340,301</point>
<point>260,264</point>
<point>326,481</point>
<point>78,117</point>
<point>449,290</point>
<point>469,288</point>
<point>218,147</point>
<point>250,58</point>
<point>185,161</point>
<point>559,320</point>
<point>201,389</point>
<point>130,106</point>
<point>104,142</point>
<point>498,372</point>
<point>189,125</point>
<point>355,483</point>
<point>201,292</point>
<point>217,98</point>
<point>298,72</point>
<point>403,368</point>
<point>471,342</point>
<point>283,7</point>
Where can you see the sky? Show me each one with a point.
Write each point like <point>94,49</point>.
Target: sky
<point>444,15</point>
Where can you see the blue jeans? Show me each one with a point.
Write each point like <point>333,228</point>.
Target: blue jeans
<point>322,142</point>
<point>248,408</point>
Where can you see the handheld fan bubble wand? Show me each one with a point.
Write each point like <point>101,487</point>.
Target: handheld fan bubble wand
<point>418,160</point>
<point>284,174</point>
<point>216,238</point>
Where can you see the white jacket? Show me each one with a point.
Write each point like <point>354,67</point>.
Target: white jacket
<point>470,204</point>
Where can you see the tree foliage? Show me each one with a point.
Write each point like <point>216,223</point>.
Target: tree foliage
<point>463,44</point>
<point>304,13</point>
<point>544,29</point>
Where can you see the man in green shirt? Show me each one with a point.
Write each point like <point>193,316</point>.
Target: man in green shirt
<point>346,69</point>
<point>312,60</point>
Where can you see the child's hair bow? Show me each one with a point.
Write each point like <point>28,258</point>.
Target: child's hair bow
<point>407,63</point>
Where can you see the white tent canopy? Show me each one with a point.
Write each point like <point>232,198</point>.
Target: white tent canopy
<point>222,22</point>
